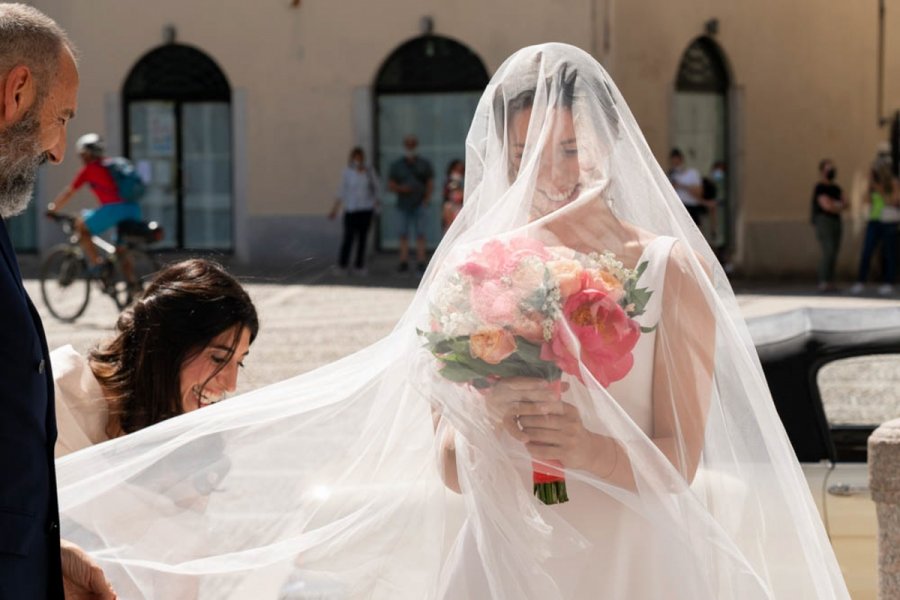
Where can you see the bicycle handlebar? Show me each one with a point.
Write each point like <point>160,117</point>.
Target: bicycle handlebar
<point>60,217</point>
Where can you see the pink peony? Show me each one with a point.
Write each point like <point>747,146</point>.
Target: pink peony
<point>593,321</point>
<point>495,303</point>
<point>497,259</point>
<point>486,263</point>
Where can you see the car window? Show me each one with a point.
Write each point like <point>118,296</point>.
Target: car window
<point>862,390</point>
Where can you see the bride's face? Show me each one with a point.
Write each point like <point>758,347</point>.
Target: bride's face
<point>208,376</point>
<point>558,175</point>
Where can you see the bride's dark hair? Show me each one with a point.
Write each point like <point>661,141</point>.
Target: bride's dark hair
<point>181,311</point>
<point>565,84</point>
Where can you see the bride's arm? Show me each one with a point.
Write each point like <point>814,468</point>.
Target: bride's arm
<point>683,367</point>
<point>445,436</point>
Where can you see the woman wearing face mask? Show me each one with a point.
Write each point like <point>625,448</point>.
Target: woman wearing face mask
<point>358,196</point>
<point>178,348</point>
<point>827,205</point>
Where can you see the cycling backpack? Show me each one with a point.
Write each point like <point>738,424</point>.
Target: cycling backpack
<point>128,181</point>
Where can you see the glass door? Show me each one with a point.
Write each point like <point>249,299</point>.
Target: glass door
<point>153,147</point>
<point>441,123</point>
<point>206,162</point>
<point>183,152</point>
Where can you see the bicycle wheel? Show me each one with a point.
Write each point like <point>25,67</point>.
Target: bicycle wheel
<point>65,286</point>
<point>143,266</point>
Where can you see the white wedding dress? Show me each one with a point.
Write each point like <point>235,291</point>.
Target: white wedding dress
<point>330,485</point>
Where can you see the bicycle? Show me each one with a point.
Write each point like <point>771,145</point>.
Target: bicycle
<point>66,278</point>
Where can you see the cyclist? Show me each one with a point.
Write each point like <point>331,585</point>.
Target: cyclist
<point>113,208</point>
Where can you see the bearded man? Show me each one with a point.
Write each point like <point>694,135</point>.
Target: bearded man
<point>38,97</point>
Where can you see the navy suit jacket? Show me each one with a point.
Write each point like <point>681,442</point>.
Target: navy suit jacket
<point>29,515</point>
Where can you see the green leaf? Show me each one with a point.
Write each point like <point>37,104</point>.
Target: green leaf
<point>640,269</point>
<point>459,373</point>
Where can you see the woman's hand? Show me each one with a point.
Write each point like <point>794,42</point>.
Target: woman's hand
<point>532,412</point>
<point>514,396</point>
<point>562,436</point>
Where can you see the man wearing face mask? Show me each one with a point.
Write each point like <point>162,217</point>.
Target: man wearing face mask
<point>827,205</point>
<point>412,179</point>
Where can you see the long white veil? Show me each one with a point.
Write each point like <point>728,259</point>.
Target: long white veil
<point>337,483</point>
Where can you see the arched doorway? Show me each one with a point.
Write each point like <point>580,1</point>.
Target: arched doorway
<point>177,108</point>
<point>429,87</point>
<point>701,128</point>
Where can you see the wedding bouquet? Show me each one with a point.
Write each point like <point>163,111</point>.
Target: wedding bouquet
<point>518,308</point>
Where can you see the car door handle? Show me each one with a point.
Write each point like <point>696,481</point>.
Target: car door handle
<point>845,489</point>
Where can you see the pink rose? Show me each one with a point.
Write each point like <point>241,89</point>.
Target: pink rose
<point>594,323</point>
<point>492,345</point>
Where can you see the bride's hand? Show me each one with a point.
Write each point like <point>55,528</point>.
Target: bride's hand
<point>562,436</point>
<point>509,398</point>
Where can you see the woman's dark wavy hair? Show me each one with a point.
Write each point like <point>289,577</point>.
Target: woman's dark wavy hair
<point>505,109</point>
<point>181,311</point>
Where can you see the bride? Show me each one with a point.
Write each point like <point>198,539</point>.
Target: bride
<point>603,358</point>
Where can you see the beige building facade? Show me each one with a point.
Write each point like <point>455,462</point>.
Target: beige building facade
<point>241,114</point>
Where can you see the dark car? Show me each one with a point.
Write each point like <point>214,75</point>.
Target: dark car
<point>834,375</point>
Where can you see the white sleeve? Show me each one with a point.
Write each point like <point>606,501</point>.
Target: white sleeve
<point>342,189</point>
<point>692,177</point>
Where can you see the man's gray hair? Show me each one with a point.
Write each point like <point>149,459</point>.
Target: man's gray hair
<point>31,38</point>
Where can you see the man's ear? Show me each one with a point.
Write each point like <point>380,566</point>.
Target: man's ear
<point>18,92</point>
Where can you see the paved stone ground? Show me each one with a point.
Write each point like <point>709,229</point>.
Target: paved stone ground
<point>314,317</point>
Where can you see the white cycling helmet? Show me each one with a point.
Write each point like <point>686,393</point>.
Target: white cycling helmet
<point>90,143</point>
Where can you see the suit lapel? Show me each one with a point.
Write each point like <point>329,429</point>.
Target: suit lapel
<point>9,255</point>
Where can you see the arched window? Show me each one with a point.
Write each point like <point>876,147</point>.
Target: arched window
<point>177,107</point>
<point>700,131</point>
<point>702,68</point>
<point>429,87</point>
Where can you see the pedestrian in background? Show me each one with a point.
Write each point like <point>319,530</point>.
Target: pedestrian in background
<point>453,192</point>
<point>827,204</point>
<point>718,176</point>
<point>688,185</point>
<point>358,196</point>
<point>883,205</point>
<point>412,178</point>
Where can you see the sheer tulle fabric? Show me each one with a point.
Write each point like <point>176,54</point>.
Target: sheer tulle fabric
<point>332,484</point>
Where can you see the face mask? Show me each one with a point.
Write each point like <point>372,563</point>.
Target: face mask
<point>456,177</point>
<point>830,174</point>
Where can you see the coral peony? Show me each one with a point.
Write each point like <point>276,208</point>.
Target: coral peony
<point>594,323</point>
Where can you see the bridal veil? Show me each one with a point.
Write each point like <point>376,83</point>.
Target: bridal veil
<point>332,484</point>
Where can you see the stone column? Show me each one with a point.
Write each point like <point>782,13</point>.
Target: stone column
<point>884,483</point>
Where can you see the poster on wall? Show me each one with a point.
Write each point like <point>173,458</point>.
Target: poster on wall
<point>161,127</point>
